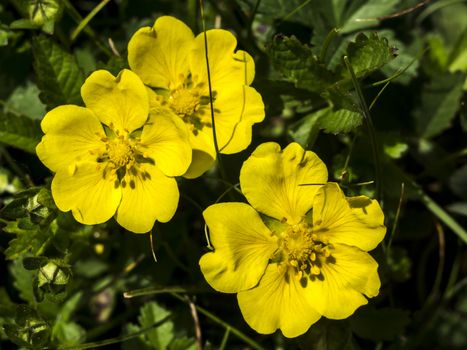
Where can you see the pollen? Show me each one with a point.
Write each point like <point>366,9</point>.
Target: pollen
<point>120,152</point>
<point>303,251</point>
<point>184,102</point>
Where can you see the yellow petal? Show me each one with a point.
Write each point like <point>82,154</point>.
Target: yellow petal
<point>72,134</point>
<point>203,155</point>
<point>147,198</point>
<point>92,197</point>
<point>270,179</point>
<point>120,102</point>
<point>356,221</point>
<point>237,107</point>
<point>159,55</point>
<point>200,163</point>
<point>346,275</point>
<point>165,140</point>
<point>278,302</point>
<point>242,244</point>
<point>226,66</point>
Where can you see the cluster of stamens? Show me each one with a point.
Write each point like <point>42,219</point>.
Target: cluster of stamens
<point>121,158</point>
<point>303,250</point>
<point>187,101</point>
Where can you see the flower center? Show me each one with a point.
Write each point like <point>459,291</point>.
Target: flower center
<point>302,250</point>
<point>120,152</point>
<point>184,102</point>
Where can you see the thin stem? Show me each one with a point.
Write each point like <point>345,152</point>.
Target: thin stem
<point>225,338</point>
<point>213,122</point>
<point>78,19</point>
<point>294,11</point>
<point>379,94</point>
<point>87,19</point>
<point>253,15</point>
<point>396,219</point>
<point>329,38</point>
<point>369,124</point>
<point>440,213</point>
<point>115,340</point>
<point>217,320</point>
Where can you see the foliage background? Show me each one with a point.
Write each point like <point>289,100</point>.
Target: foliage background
<point>65,285</point>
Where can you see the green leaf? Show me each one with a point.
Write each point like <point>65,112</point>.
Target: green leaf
<point>368,54</point>
<point>458,208</point>
<point>30,238</point>
<point>340,121</point>
<point>379,324</point>
<point>458,182</point>
<point>299,65</point>
<point>22,280</point>
<point>160,337</point>
<point>20,132</point>
<point>183,343</point>
<point>58,75</point>
<point>306,129</point>
<point>440,100</point>
<point>24,100</point>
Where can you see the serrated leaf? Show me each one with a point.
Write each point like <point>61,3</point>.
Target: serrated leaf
<point>159,337</point>
<point>183,343</point>
<point>368,54</point>
<point>30,238</point>
<point>340,121</point>
<point>20,132</point>
<point>58,75</point>
<point>299,65</point>
<point>440,100</point>
<point>379,324</point>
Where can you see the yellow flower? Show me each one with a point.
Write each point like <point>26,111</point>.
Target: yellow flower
<point>298,252</point>
<point>171,60</point>
<point>108,158</point>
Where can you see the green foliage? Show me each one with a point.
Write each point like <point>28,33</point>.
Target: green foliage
<point>58,75</point>
<point>20,132</point>
<point>368,54</point>
<point>73,285</point>
<point>159,331</point>
<point>440,100</point>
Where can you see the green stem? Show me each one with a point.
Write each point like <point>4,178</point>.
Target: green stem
<point>214,134</point>
<point>217,320</point>
<point>294,11</point>
<point>225,338</point>
<point>115,340</point>
<point>396,220</point>
<point>329,38</point>
<point>370,127</point>
<point>78,19</point>
<point>440,213</point>
<point>87,19</point>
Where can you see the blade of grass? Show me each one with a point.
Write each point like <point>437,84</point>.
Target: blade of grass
<point>371,129</point>
<point>87,19</point>
<point>440,213</point>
